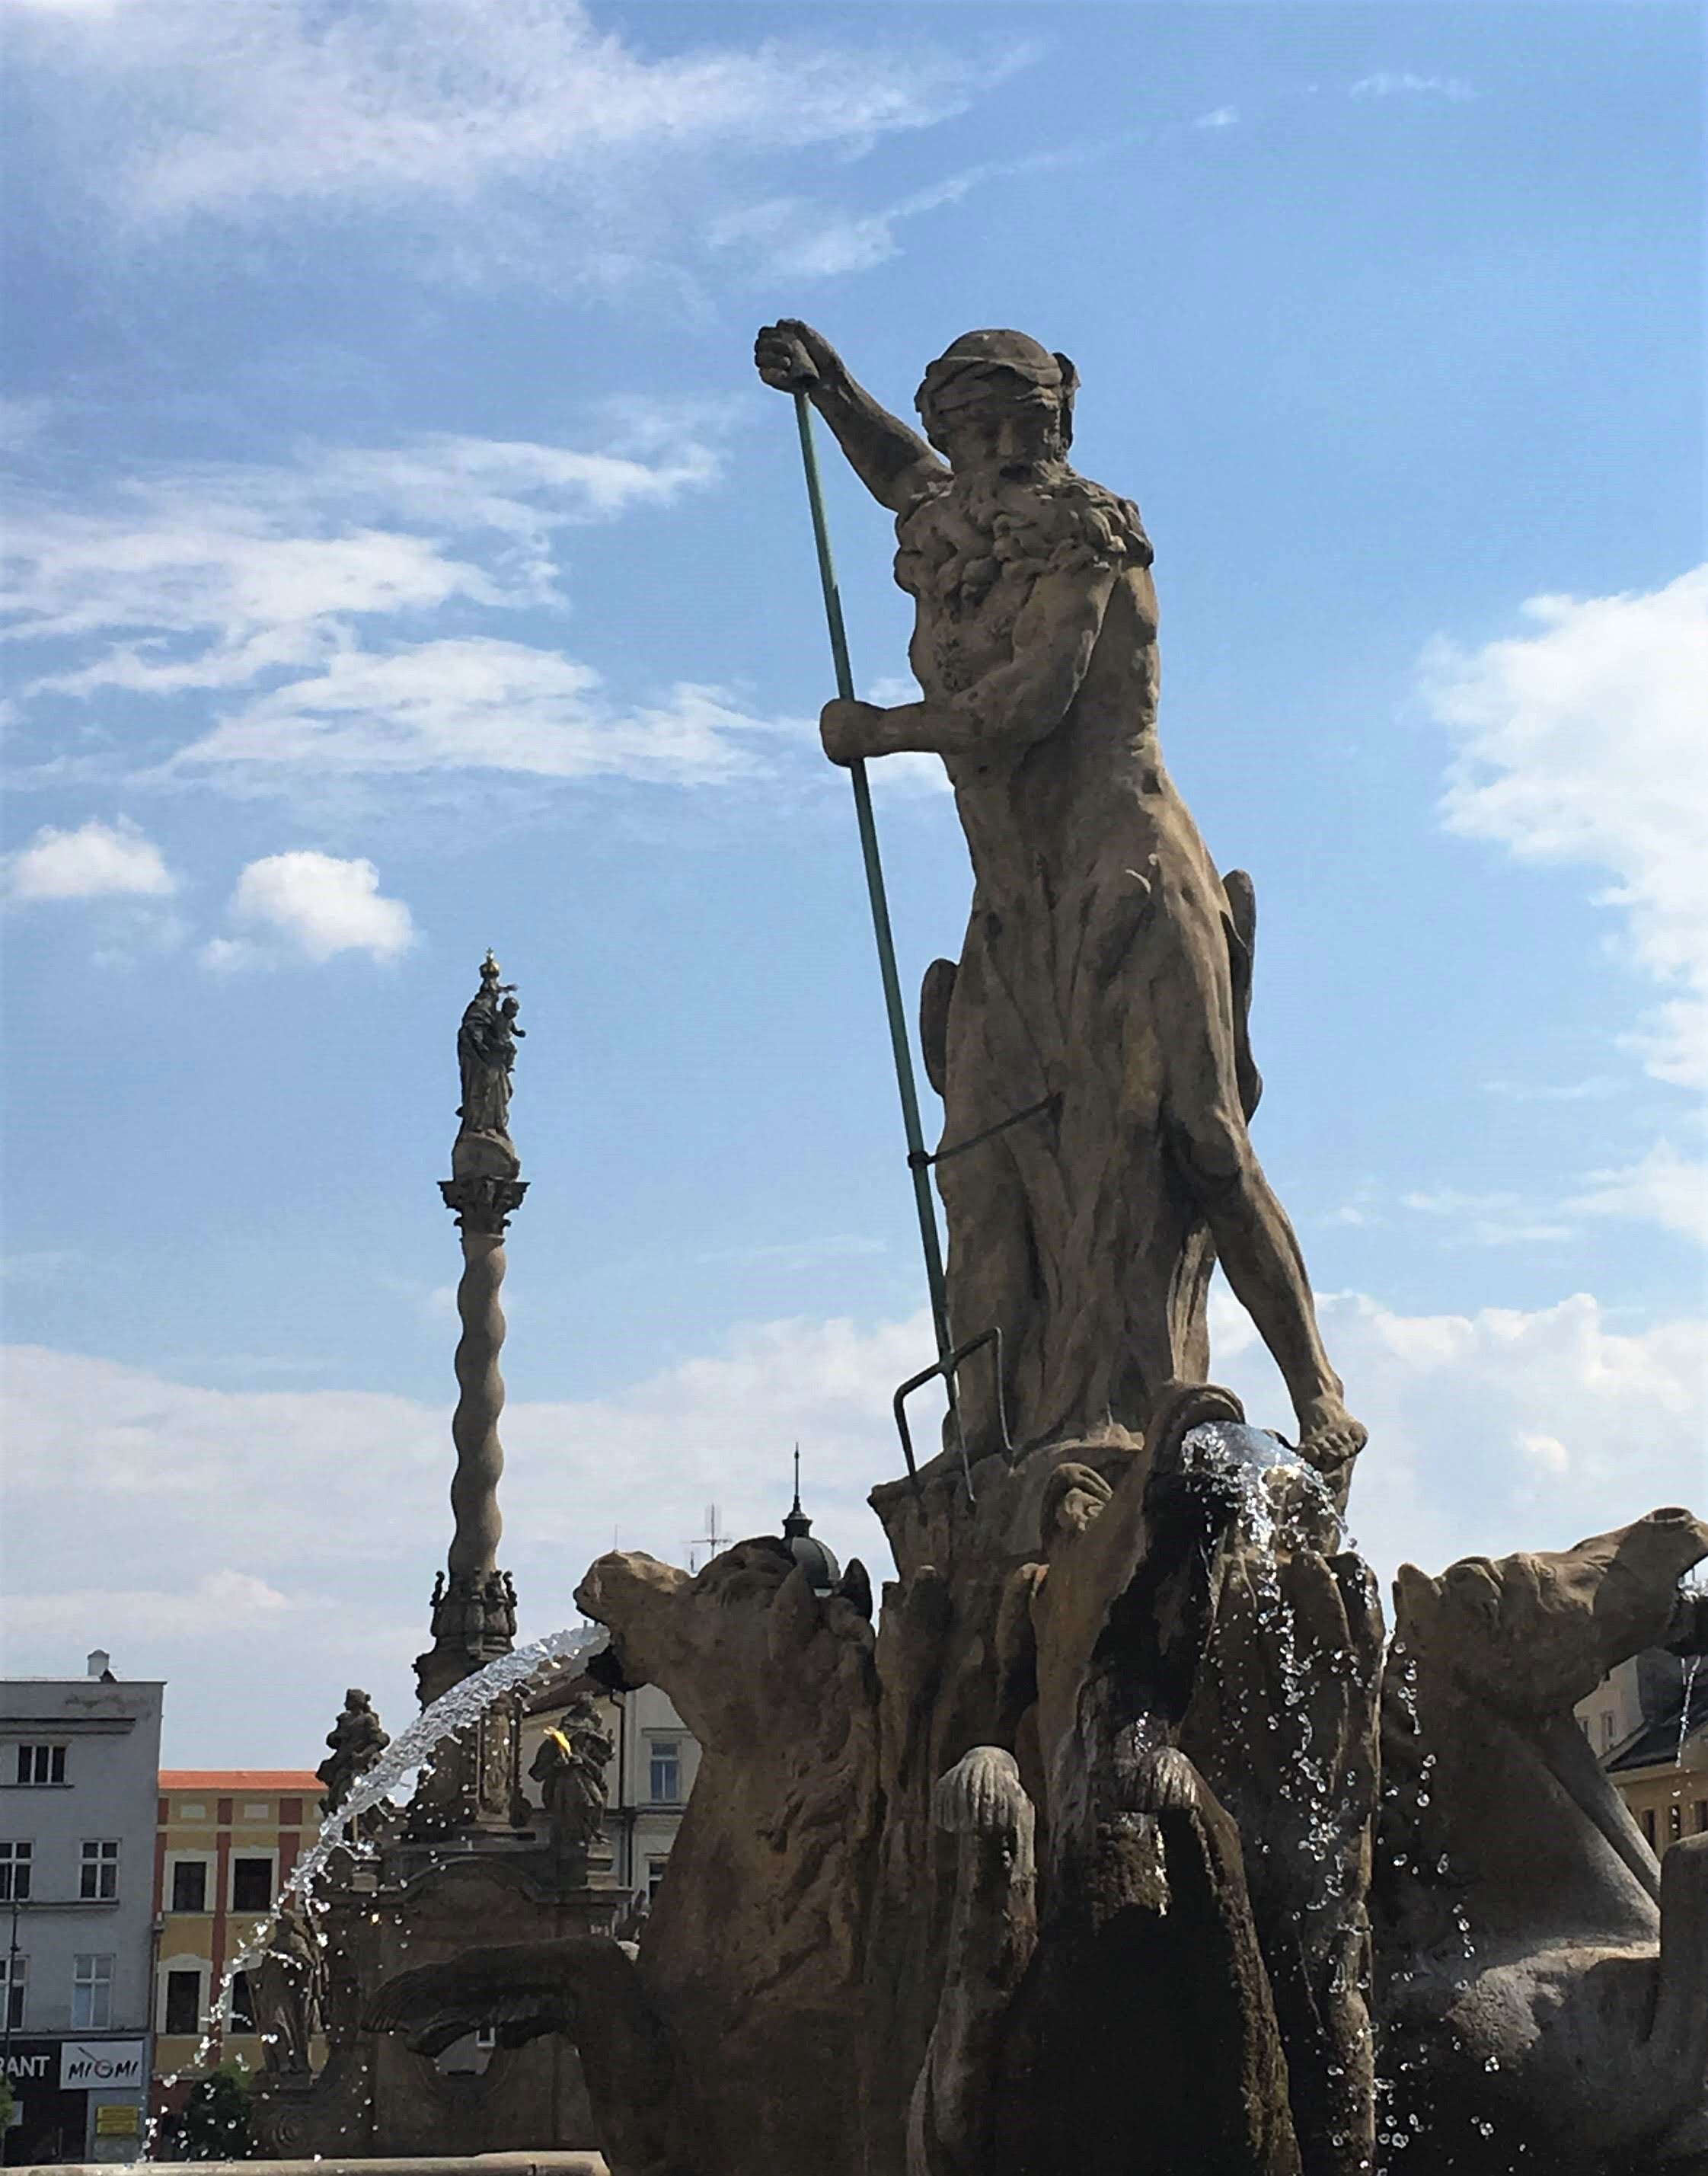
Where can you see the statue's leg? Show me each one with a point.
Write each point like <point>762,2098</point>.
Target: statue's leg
<point>1253,1239</point>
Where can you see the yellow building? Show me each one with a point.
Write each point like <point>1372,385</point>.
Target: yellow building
<point>1648,1723</point>
<point>228,1840</point>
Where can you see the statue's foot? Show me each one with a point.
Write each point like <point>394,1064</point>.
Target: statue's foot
<point>1329,1438</point>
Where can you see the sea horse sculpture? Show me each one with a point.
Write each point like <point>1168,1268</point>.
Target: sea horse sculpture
<point>1543,1984</point>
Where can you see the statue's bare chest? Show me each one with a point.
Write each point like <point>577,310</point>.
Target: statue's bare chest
<point>968,599</point>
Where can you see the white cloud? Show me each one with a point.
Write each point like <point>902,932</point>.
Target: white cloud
<point>1403,82</point>
<point>96,861</point>
<point>318,905</point>
<point>1220,116</point>
<point>1496,1431</point>
<point>439,104</point>
<point>1660,1187</point>
<point>1583,741</point>
<point>478,703</point>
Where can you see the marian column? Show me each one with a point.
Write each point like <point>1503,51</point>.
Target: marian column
<point>474,1605</point>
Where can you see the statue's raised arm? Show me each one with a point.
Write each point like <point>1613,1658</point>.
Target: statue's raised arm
<point>893,462</point>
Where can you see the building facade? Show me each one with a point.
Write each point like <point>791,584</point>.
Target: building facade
<point>227,1841</point>
<point>1648,1723</point>
<point>78,1757</point>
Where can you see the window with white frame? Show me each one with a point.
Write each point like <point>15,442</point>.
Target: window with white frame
<point>252,1885</point>
<point>15,1863</point>
<point>91,1994</point>
<point>664,1787</point>
<point>180,2008</point>
<point>41,1764</point>
<point>97,1880</point>
<point>655,1875</point>
<point>189,1885</point>
<point>15,1977</point>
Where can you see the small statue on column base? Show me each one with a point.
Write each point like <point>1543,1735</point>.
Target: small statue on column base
<point>570,1767</point>
<point>357,1741</point>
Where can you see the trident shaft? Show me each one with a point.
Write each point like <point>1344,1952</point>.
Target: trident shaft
<point>917,1161</point>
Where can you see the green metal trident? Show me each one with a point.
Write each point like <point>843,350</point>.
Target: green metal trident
<point>918,1162</point>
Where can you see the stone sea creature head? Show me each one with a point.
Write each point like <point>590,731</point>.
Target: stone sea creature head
<point>1535,1631</point>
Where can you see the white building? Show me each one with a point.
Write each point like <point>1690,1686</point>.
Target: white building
<point>79,1762</point>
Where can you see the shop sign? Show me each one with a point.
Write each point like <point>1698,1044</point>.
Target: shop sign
<point>31,2062</point>
<point>118,2119</point>
<point>101,2062</point>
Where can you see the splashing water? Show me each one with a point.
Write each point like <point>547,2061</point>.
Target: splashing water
<point>1684,1708</point>
<point>411,1751</point>
<point>1283,1503</point>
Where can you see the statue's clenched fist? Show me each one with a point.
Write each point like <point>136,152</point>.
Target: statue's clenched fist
<point>792,357</point>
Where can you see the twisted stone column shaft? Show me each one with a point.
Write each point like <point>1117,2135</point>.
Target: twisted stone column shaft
<point>474,1550</point>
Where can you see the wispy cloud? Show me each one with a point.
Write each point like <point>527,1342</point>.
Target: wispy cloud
<point>446,108</point>
<point>96,861</point>
<point>1593,1087</point>
<point>209,575</point>
<point>474,704</point>
<point>1405,82</point>
<point>803,238</point>
<point>300,579</point>
<point>1662,1186</point>
<point>1582,741</point>
<point>1495,1219</point>
<point>1219,117</point>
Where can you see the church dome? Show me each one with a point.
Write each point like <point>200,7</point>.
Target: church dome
<point>820,1565</point>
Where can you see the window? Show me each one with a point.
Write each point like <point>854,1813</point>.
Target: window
<point>240,2004</point>
<point>252,1885</point>
<point>666,1788</point>
<point>14,1872</point>
<point>1607,1729</point>
<point>1675,1821</point>
<point>91,1994</point>
<point>655,1875</point>
<point>183,2002</point>
<point>291,1813</point>
<point>41,1764</point>
<point>1648,1825</point>
<point>14,1972</point>
<point>1702,1817</point>
<point>98,1877</point>
<point>190,1885</point>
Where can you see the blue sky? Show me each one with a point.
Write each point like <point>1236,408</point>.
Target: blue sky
<point>402,559</point>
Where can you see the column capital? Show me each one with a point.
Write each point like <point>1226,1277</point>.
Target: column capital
<point>483,1205</point>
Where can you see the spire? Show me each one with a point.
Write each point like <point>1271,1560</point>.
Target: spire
<point>797,1525</point>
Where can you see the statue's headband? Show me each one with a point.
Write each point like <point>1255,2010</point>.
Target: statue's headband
<point>962,368</point>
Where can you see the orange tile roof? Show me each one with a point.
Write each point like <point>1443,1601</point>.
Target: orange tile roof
<point>239,1779</point>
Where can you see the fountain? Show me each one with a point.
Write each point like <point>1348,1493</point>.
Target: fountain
<point>1120,1845</point>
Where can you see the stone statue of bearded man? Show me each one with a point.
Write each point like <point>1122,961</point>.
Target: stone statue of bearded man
<point>1107,967</point>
